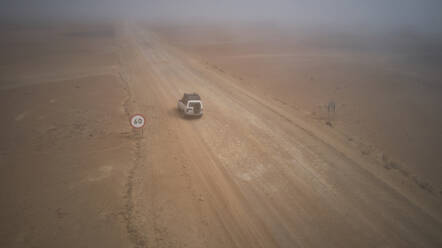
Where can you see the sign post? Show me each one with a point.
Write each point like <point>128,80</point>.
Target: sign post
<point>137,121</point>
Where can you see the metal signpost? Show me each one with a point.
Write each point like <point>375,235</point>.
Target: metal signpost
<point>137,121</point>
<point>331,109</point>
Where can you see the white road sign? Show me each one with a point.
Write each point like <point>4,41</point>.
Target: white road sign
<point>137,121</point>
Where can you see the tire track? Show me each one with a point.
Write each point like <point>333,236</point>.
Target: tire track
<point>135,235</point>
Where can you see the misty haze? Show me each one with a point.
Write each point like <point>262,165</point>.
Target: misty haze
<point>221,123</point>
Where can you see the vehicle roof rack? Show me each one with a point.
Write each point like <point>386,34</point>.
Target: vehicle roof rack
<point>191,96</point>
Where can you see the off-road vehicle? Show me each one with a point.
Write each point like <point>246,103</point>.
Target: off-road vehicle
<point>190,105</point>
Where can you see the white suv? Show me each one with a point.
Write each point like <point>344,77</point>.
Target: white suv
<point>190,105</point>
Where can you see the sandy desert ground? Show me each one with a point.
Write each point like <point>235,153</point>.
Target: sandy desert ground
<point>387,86</point>
<point>259,169</point>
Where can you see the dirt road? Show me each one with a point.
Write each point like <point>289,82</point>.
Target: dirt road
<point>249,173</point>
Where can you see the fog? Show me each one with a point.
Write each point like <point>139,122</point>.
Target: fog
<point>424,16</point>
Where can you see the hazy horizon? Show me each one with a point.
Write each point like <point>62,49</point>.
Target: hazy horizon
<point>345,14</point>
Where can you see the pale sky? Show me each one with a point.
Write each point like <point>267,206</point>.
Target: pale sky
<point>425,15</point>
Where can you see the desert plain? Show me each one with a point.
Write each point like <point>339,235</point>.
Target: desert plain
<point>268,164</point>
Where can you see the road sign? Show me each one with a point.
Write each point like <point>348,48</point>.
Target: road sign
<point>137,121</point>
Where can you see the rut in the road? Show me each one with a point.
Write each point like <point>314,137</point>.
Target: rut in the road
<point>137,238</point>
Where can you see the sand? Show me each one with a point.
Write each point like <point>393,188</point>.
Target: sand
<point>387,87</point>
<point>261,168</point>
